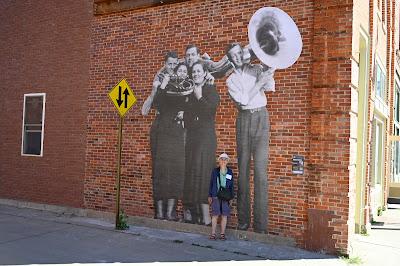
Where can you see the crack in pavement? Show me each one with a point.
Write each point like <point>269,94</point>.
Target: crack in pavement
<point>35,235</point>
<point>74,223</point>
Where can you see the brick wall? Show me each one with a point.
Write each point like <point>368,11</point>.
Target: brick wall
<point>44,47</point>
<point>309,111</point>
<point>76,59</point>
<point>330,178</point>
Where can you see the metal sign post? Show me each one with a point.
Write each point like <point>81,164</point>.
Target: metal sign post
<point>121,119</point>
<point>123,104</point>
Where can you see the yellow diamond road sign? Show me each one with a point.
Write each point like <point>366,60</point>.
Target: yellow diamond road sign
<point>122,96</point>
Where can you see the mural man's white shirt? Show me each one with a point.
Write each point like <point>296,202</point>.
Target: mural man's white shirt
<point>241,83</point>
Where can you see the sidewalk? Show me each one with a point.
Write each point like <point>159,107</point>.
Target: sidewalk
<point>30,236</point>
<point>382,244</point>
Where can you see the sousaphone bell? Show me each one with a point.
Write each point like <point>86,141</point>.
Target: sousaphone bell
<point>274,38</point>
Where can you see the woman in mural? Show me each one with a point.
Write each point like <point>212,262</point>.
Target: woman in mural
<point>200,145</point>
<point>167,140</point>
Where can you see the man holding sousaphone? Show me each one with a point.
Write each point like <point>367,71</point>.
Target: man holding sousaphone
<point>276,42</point>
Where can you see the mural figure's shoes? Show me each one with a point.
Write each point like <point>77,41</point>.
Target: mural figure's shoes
<point>243,226</point>
<point>260,231</point>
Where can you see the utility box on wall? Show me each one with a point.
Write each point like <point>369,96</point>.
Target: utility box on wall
<point>298,165</point>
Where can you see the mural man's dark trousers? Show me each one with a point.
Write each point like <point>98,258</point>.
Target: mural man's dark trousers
<point>252,136</point>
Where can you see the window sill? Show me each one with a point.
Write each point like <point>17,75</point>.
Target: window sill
<point>32,155</point>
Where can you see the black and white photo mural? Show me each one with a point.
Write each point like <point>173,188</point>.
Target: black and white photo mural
<point>185,99</point>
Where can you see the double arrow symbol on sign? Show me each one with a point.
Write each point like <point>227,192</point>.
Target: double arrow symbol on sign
<point>119,100</point>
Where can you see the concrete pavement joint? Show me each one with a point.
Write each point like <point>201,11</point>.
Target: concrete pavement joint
<point>384,228</point>
<point>375,244</point>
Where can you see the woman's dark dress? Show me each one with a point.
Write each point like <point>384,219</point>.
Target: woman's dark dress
<point>201,146</point>
<point>168,147</point>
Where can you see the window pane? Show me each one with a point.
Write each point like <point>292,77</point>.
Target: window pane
<point>396,96</point>
<point>397,106</point>
<point>378,82</point>
<point>397,158</point>
<point>33,124</point>
<point>33,142</point>
<point>33,110</point>
<point>383,85</point>
<point>378,153</point>
<point>380,78</point>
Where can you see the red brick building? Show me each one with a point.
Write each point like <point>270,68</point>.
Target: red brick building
<point>75,53</point>
<point>45,50</point>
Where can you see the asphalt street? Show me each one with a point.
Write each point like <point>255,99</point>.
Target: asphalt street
<point>39,237</point>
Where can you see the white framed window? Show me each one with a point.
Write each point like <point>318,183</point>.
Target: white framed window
<point>380,81</point>
<point>33,124</point>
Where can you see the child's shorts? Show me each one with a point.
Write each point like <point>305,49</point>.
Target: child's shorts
<point>220,207</point>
